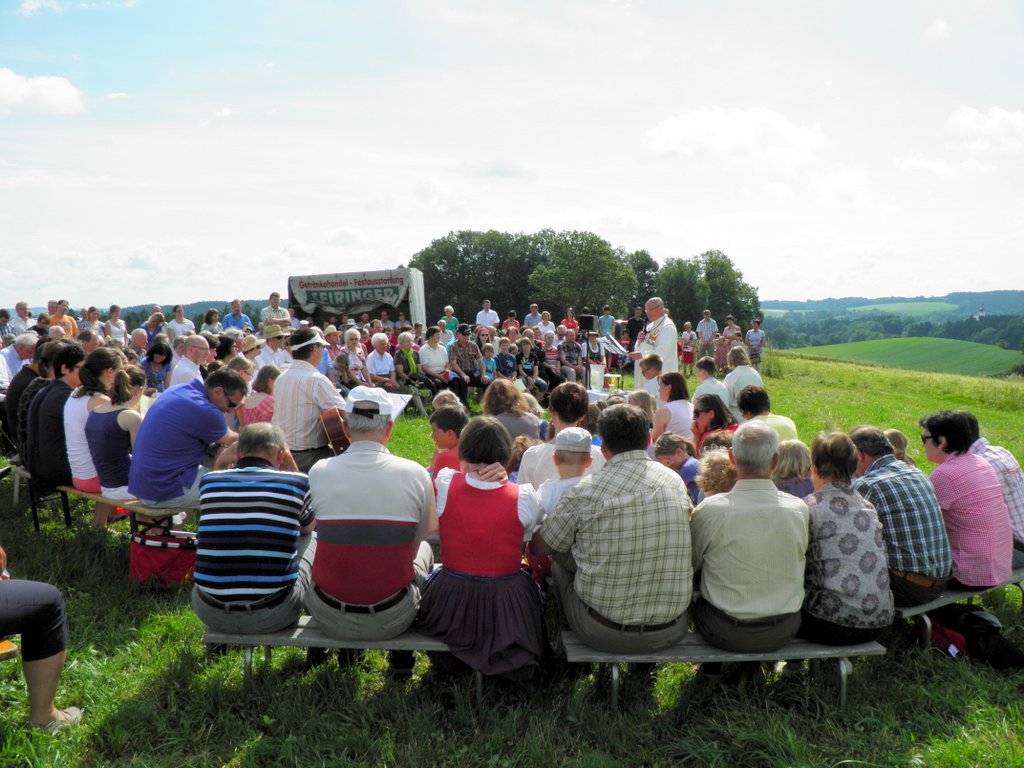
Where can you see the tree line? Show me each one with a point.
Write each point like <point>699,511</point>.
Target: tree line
<point>815,329</point>
<point>558,270</point>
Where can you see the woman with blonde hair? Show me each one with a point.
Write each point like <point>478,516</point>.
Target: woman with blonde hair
<point>792,473</point>
<point>645,401</point>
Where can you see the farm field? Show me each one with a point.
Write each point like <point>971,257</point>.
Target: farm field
<point>911,308</point>
<point>152,697</point>
<point>923,354</point>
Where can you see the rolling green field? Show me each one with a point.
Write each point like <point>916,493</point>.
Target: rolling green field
<point>911,308</point>
<point>152,698</point>
<point>923,354</point>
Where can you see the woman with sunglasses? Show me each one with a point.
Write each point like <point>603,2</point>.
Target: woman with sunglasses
<point>710,416</point>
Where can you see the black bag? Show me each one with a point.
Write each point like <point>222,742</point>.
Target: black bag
<point>984,634</point>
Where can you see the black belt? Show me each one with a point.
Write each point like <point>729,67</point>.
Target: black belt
<point>248,607</point>
<point>1018,545</point>
<point>628,627</point>
<point>383,605</point>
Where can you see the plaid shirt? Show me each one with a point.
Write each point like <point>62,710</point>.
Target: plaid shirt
<point>627,526</point>
<point>915,535</point>
<point>466,356</point>
<point>1010,478</point>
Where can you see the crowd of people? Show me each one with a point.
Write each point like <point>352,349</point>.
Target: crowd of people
<point>651,511</point>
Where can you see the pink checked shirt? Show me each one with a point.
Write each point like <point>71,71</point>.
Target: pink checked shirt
<point>977,521</point>
<point>1010,478</point>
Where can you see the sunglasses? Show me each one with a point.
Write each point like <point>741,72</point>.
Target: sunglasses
<point>925,438</point>
<point>698,411</point>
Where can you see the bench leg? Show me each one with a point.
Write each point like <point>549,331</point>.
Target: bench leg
<point>67,508</point>
<point>844,668</point>
<point>248,668</point>
<point>927,624</point>
<point>478,686</point>
<point>17,489</point>
<point>615,686</point>
<point>266,653</point>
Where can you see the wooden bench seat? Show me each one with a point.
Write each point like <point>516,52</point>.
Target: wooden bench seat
<point>307,634</point>
<point>694,650</point>
<point>920,612</point>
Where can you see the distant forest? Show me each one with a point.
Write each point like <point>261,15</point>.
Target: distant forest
<point>993,302</point>
<point>988,317</point>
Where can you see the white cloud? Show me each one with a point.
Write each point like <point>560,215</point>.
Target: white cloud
<point>345,237</point>
<point>53,95</point>
<point>994,130</point>
<point>119,96</point>
<point>297,249</point>
<point>937,31</point>
<point>752,132</point>
<point>225,112</point>
<point>30,7</point>
<point>940,167</point>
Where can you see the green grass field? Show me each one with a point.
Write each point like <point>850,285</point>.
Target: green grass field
<point>910,308</point>
<point>152,698</point>
<point>923,354</point>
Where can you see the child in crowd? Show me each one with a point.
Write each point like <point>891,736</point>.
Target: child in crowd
<point>480,602</point>
<point>715,473</point>
<point>650,370</point>
<point>536,410</point>
<point>490,364</point>
<point>793,472</point>
<point>679,454</point>
<point>646,402</point>
<point>445,399</point>
<point>572,458</point>
<point>505,360</point>
<point>899,444</point>
<point>519,447</point>
<point>528,367</point>
<point>446,425</point>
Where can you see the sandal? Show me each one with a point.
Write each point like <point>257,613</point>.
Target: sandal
<point>66,717</point>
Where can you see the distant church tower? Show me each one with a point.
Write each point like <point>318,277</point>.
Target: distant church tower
<point>981,312</point>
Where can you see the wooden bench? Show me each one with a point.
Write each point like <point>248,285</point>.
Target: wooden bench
<point>920,612</point>
<point>693,650</point>
<point>307,634</point>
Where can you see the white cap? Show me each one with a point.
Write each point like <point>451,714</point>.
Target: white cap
<point>370,401</point>
<point>574,440</point>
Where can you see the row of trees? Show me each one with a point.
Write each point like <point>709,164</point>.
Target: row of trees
<point>812,330</point>
<point>575,269</point>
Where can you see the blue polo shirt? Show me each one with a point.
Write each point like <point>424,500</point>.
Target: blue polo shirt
<point>230,321</point>
<point>172,441</point>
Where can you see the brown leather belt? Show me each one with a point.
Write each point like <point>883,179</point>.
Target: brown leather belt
<point>628,627</point>
<point>383,605</point>
<point>917,579</point>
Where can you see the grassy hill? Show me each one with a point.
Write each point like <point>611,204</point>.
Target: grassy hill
<point>908,308</point>
<point>923,354</point>
<point>152,697</point>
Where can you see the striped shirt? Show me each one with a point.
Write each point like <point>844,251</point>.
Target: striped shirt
<point>372,510</point>
<point>1011,479</point>
<point>628,528</point>
<point>249,521</point>
<point>915,535</point>
<point>301,394</point>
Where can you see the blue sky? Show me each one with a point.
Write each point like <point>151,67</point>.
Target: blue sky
<point>177,151</point>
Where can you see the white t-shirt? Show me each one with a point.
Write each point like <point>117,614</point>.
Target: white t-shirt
<point>79,457</point>
<point>180,329</point>
<point>487,317</point>
<point>538,464</point>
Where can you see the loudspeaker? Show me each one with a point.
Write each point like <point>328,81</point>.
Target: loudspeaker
<point>587,323</point>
